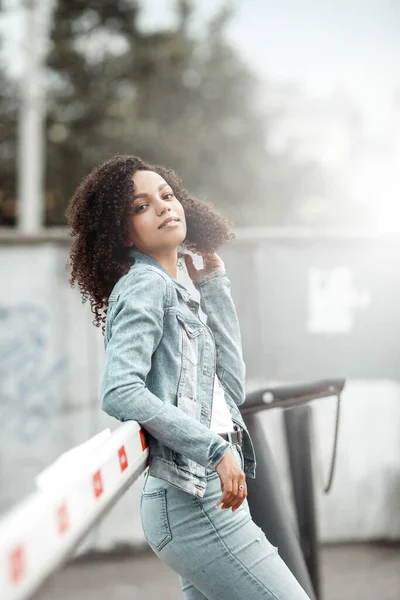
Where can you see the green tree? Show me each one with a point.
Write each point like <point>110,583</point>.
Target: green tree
<point>168,96</point>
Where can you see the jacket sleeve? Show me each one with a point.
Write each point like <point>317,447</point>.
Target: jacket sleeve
<point>136,329</point>
<point>217,303</point>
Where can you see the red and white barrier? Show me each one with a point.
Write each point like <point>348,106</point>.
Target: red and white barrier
<point>42,532</point>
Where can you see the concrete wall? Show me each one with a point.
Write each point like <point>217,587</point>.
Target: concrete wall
<point>310,308</point>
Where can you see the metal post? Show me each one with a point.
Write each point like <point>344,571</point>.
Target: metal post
<point>268,508</point>
<point>298,437</point>
<point>32,114</point>
<point>265,496</point>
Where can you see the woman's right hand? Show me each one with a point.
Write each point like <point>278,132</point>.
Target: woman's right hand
<point>231,476</point>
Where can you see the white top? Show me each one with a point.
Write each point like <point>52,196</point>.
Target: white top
<point>221,420</point>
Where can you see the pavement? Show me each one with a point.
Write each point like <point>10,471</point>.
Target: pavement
<point>349,572</point>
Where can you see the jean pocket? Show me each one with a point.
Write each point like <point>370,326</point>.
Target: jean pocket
<point>153,509</point>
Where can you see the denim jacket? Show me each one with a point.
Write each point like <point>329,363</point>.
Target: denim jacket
<point>160,363</point>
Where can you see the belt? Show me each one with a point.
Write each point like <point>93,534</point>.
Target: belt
<point>234,437</point>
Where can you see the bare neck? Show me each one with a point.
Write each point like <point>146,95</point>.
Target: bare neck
<point>168,260</point>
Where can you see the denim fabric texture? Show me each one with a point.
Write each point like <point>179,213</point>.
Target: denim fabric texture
<point>218,554</point>
<point>159,368</point>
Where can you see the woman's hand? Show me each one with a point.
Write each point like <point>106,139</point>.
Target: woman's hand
<point>211,262</point>
<point>231,477</point>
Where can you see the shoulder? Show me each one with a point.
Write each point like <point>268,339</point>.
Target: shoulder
<point>142,280</point>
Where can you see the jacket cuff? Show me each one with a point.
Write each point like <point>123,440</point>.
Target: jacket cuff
<point>220,272</point>
<point>218,454</point>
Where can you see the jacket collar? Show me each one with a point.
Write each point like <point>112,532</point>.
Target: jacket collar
<point>146,259</point>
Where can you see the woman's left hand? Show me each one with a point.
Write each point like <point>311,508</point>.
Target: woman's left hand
<point>211,262</point>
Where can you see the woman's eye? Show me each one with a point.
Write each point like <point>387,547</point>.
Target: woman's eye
<point>139,207</point>
<point>168,196</point>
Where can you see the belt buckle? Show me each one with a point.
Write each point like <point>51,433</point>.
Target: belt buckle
<point>239,432</point>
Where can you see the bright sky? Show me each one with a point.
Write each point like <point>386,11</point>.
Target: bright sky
<point>330,47</point>
<point>323,44</point>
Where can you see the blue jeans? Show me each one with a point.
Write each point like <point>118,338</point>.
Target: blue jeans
<point>218,554</point>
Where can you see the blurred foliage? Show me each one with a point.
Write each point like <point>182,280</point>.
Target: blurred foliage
<point>167,96</point>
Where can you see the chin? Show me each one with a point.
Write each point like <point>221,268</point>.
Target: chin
<point>175,240</point>
<point>170,245</point>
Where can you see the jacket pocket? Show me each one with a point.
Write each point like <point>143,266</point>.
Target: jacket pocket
<point>189,333</point>
<point>155,524</point>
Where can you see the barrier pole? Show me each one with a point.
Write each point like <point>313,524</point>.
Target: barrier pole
<point>39,535</point>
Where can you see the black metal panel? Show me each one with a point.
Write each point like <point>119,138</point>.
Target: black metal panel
<point>298,436</point>
<point>268,509</point>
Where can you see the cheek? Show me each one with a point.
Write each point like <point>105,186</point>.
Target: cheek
<point>180,212</point>
<point>142,225</point>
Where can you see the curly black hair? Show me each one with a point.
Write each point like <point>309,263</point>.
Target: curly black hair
<point>99,213</point>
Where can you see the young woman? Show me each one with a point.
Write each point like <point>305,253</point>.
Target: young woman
<point>180,377</point>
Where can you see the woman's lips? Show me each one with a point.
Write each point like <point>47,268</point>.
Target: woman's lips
<point>169,225</point>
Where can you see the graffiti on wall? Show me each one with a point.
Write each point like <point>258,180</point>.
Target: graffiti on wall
<point>31,373</point>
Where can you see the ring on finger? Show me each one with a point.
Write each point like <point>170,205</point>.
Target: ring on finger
<point>241,488</point>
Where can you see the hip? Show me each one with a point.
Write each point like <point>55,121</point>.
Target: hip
<point>167,510</point>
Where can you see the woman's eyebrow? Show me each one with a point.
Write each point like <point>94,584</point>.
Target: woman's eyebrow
<point>144,195</point>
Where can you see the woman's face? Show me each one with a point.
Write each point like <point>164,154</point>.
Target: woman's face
<point>154,202</point>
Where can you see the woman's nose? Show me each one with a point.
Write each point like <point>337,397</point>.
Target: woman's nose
<point>163,207</point>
